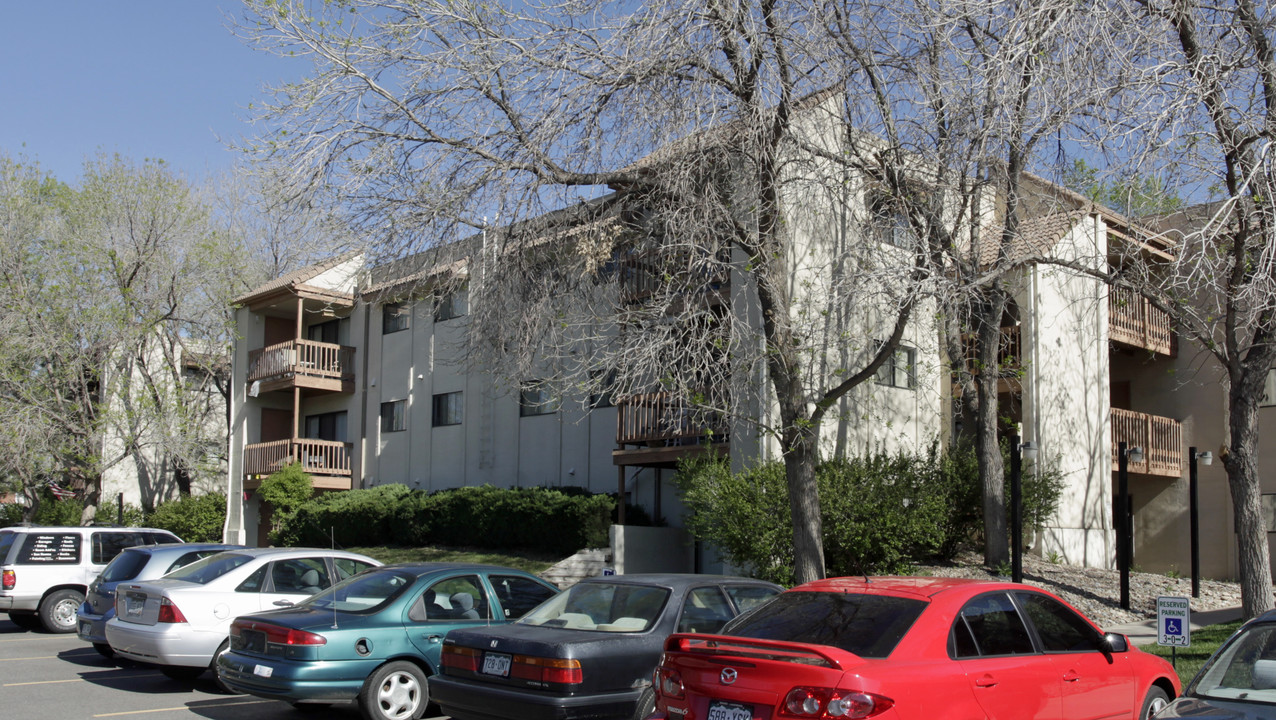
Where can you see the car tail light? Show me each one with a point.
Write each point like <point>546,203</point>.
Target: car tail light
<point>461,658</point>
<point>10,580</point>
<point>278,634</point>
<point>669,683</point>
<point>561,671</point>
<point>827,703</point>
<point>169,613</point>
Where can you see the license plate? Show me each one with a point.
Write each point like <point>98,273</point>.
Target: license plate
<point>263,671</point>
<point>719,710</point>
<point>85,628</point>
<point>133,607</point>
<point>496,664</point>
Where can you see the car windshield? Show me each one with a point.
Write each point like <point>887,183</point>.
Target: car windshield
<point>210,568</point>
<point>1244,670</point>
<point>125,566</point>
<point>364,593</point>
<point>602,606</point>
<point>868,625</point>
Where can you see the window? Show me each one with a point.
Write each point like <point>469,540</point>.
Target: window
<point>106,545</point>
<point>451,305</point>
<point>889,223</point>
<point>990,625</point>
<point>299,576</point>
<point>536,398</point>
<point>394,416</point>
<point>324,332</point>
<point>347,567</point>
<point>327,426</point>
<point>1060,629</point>
<point>868,625</point>
<point>518,594</point>
<point>449,409</point>
<point>394,317</point>
<point>456,598</point>
<point>50,549</point>
<point>605,382</point>
<point>899,370</point>
<point>704,611</point>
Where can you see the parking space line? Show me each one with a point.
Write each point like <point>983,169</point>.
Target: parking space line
<point>181,707</point>
<point>42,682</point>
<point>43,657</point>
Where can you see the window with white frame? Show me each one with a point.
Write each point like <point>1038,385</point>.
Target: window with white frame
<point>394,416</point>
<point>536,397</point>
<point>449,409</point>
<point>900,369</point>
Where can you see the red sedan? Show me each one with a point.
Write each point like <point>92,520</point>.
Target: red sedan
<point>913,649</point>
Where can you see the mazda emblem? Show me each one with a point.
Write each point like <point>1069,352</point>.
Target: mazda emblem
<point>729,675</point>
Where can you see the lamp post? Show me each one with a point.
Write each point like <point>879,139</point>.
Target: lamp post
<point>1125,533</point>
<point>1026,451</point>
<point>1206,458</point>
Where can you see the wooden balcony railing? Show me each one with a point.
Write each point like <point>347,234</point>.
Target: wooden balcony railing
<point>1009,351</point>
<point>1160,437</point>
<point>301,357</point>
<point>658,420</point>
<point>318,457</point>
<point>646,274</point>
<point>1132,320</point>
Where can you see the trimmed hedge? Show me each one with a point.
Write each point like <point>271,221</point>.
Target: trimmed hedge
<point>537,519</point>
<point>198,518</point>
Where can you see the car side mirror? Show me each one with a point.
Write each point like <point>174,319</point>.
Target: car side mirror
<point>1115,643</point>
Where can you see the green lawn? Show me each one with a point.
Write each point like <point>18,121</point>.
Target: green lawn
<point>530,563</point>
<point>1204,642</point>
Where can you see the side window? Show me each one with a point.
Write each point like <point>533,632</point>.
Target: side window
<point>347,567</point>
<point>394,317</point>
<point>994,626</point>
<point>1060,629</point>
<point>457,598</point>
<point>747,597</point>
<point>106,545</point>
<point>299,576</point>
<point>518,595</point>
<point>153,538</point>
<point>705,610</point>
<point>254,582</point>
<point>50,549</point>
<point>189,558</point>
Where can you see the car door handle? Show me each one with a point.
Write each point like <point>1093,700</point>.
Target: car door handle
<point>1071,676</point>
<point>986,681</point>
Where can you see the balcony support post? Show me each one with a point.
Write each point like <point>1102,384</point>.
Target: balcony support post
<point>1122,522</point>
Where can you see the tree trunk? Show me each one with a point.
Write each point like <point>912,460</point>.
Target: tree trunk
<point>800,455</point>
<point>1241,462</point>
<point>987,443</point>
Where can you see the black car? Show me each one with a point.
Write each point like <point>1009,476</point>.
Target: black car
<point>588,652</point>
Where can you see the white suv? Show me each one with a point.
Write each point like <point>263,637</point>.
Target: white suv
<point>44,571</point>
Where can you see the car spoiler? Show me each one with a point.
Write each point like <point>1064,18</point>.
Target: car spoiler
<point>755,648</point>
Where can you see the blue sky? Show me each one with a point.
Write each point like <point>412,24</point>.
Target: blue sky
<point>145,78</point>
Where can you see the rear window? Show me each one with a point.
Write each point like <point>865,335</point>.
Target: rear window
<point>50,549</point>
<point>6,542</point>
<point>602,606</point>
<point>210,568</point>
<point>868,625</point>
<point>126,566</point>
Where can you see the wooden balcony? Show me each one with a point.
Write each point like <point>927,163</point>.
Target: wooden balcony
<point>1134,322</point>
<point>647,274</point>
<point>328,462</point>
<point>657,429</point>
<point>1160,437</point>
<point>302,363</point>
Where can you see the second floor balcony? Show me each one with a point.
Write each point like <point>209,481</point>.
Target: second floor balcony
<point>327,461</point>
<point>658,428</point>
<point>302,363</point>
<point>1133,321</point>
<point>1160,437</point>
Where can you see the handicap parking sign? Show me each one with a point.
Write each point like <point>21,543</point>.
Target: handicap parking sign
<point>1173,615</point>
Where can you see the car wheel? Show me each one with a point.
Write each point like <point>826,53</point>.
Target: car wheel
<point>184,673</point>
<point>217,676</point>
<point>1154,703</point>
<point>646,704</point>
<point>57,610</point>
<point>394,691</point>
<point>25,620</point>
<point>104,650</point>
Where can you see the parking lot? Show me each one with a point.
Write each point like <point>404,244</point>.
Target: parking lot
<point>45,676</point>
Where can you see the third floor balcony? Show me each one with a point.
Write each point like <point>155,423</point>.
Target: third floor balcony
<point>1134,322</point>
<point>305,364</point>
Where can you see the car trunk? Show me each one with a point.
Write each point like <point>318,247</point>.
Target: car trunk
<point>252,636</point>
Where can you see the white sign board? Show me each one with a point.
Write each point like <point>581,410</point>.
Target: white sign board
<point>1173,621</point>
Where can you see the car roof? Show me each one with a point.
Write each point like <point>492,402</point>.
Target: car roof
<point>424,566</point>
<point>285,552</point>
<point>82,528</point>
<point>672,580</point>
<point>161,548</point>
<point>928,587</point>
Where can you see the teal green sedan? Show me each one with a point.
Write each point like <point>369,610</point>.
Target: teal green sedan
<point>375,637</point>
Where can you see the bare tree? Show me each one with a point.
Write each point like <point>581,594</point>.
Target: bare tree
<point>1204,120</point>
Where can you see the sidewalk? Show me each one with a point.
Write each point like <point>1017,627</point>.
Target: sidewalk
<point>1144,632</point>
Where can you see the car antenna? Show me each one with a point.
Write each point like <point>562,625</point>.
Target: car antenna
<point>332,542</point>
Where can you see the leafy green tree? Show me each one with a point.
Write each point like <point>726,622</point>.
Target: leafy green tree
<point>285,490</point>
